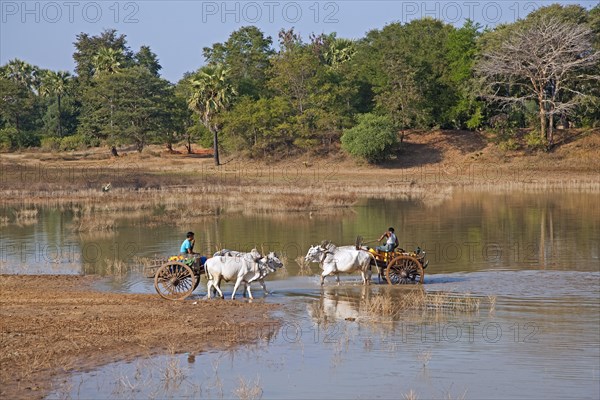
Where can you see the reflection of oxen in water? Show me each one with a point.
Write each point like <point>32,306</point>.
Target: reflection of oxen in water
<point>335,259</point>
<point>337,305</point>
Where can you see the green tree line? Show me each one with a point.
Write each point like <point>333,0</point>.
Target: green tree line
<point>316,93</point>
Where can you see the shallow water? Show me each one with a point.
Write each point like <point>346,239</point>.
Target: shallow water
<point>532,261</point>
<point>535,345</point>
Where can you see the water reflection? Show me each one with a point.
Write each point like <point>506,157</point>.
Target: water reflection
<point>467,232</point>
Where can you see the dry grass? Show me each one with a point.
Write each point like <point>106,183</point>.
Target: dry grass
<point>248,390</point>
<point>304,266</point>
<point>115,267</point>
<point>411,395</point>
<point>391,307</point>
<point>443,302</point>
<point>492,301</point>
<point>26,216</point>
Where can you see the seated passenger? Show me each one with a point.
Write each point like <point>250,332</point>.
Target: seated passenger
<point>391,242</point>
<point>187,247</point>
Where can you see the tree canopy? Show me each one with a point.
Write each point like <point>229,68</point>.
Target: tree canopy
<point>318,93</point>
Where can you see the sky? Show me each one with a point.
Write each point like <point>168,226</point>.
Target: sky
<point>42,32</point>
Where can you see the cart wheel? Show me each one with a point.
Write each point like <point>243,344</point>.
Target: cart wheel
<point>175,281</point>
<point>404,269</point>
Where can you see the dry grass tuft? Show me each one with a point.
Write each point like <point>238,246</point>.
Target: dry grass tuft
<point>26,216</point>
<point>247,390</point>
<point>304,266</point>
<point>411,395</point>
<point>441,302</point>
<point>492,300</point>
<point>391,307</point>
<point>116,267</point>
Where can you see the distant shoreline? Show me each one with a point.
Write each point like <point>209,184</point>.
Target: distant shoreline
<point>431,165</point>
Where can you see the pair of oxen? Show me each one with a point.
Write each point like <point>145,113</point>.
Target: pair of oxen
<point>253,267</point>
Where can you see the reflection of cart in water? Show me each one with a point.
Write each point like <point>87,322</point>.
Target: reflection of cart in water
<point>177,277</point>
<point>399,266</point>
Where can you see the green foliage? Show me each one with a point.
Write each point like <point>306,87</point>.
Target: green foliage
<point>132,106</point>
<point>7,136</point>
<point>299,97</point>
<point>145,58</point>
<point>211,93</point>
<point>246,54</point>
<point>87,48</point>
<point>258,127</point>
<point>534,141</point>
<point>13,139</point>
<point>73,142</point>
<point>372,139</point>
<point>50,143</point>
<point>505,132</point>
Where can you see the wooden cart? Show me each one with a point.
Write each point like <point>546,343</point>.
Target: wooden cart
<point>399,266</point>
<point>177,277</point>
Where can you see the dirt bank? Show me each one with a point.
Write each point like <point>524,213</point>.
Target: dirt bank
<point>53,325</point>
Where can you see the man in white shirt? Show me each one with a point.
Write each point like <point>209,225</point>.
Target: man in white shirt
<point>391,242</point>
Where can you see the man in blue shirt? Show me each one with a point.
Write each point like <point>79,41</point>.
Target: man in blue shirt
<point>187,247</point>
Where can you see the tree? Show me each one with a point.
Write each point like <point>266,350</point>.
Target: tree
<point>372,138</point>
<point>246,55</point>
<point>87,47</point>
<point>56,84</point>
<point>15,103</point>
<point>22,73</point>
<point>107,60</point>
<point>546,61</point>
<point>211,93</point>
<point>461,55</point>
<point>411,84</point>
<point>133,106</point>
<point>147,59</point>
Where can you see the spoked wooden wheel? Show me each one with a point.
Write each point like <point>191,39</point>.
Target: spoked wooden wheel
<point>175,281</point>
<point>404,269</point>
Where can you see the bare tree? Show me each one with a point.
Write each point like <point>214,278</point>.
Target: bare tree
<point>548,61</point>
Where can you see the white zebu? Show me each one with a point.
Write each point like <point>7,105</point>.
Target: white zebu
<point>244,267</point>
<point>334,260</point>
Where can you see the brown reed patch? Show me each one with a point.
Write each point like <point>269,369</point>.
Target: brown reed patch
<point>390,307</point>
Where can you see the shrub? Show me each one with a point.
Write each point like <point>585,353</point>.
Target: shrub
<point>73,142</point>
<point>51,143</point>
<point>534,141</point>
<point>6,138</point>
<point>12,139</point>
<point>372,139</point>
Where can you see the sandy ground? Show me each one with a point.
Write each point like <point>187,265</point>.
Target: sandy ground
<point>51,326</point>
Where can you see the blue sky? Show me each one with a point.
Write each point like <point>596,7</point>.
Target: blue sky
<point>42,32</point>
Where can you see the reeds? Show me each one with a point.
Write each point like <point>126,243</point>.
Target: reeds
<point>391,307</point>
<point>304,266</point>
<point>248,390</point>
<point>26,216</point>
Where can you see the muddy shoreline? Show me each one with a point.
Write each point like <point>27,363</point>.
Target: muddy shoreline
<point>54,325</point>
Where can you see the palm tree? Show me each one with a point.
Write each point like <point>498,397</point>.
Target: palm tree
<point>211,93</point>
<point>107,60</point>
<point>56,84</point>
<point>340,51</point>
<point>22,73</point>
